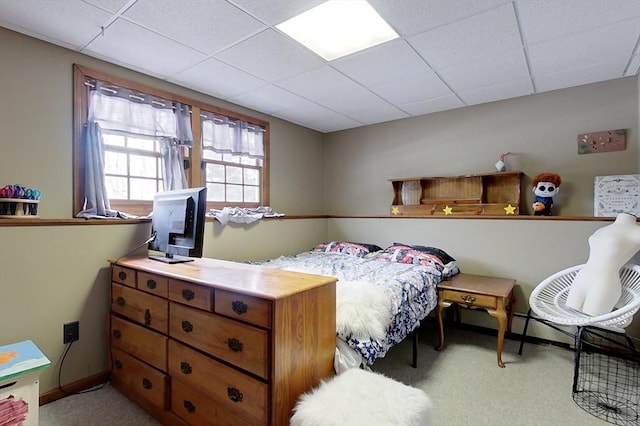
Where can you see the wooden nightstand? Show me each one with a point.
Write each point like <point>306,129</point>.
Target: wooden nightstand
<point>493,294</point>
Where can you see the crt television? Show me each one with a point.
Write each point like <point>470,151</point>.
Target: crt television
<point>177,225</point>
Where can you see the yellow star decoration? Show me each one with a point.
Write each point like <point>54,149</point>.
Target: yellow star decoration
<point>510,209</point>
<point>447,210</point>
<point>395,210</point>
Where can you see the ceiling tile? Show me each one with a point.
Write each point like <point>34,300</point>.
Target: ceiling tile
<point>207,26</point>
<point>548,19</point>
<point>71,24</point>
<point>111,6</point>
<point>218,79</point>
<point>487,71</point>
<point>317,117</point>
<point>464,41</point>
<point>135,47</point>
<point>269,99</point>
<point>383,63</point>
<point>270,56</point>
<point>378,115</point>
<point>273,12</point>
<point>412,17</point>
<point>589,47</point>
<point>413,89</point>
<point>512,89</point>
<point>432,105</point>
<point>318,83</point>
<point>610,69</point>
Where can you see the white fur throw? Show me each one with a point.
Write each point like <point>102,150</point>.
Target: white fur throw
<point>358,397</point>
<point>362,310</point>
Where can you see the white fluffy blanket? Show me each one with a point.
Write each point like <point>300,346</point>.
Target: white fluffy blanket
<point>362,310</point>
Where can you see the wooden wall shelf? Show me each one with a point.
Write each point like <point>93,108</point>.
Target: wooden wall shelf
<point>493,194</point>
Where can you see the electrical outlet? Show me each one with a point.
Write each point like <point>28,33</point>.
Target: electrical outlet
<point>71,332</point>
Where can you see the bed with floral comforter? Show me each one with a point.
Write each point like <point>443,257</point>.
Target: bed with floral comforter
<point>381,295</point>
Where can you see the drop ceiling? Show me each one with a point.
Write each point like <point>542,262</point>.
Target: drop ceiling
<point>450,54</point>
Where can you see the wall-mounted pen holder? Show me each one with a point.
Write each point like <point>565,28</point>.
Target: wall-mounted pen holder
<point>19,208</point>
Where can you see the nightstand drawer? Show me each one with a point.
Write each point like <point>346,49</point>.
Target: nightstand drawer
<point>124,276</point>
<point>238,394</point>
<point>142,379</point>
<point>245,308</point>
<point>240,344</point>
<point>198,296</point>
<point>141,307</point>
<point>144,344</point>
<point>471,299</point>
<point>154,284</point>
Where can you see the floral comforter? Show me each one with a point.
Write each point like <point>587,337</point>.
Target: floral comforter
<point>410,288</point>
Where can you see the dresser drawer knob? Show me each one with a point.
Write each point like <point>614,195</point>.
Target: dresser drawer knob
<point>151,284</point>
<point>235,345</point>
<point>468,298</point>
<point>239,307</point>
<point>122,275</point>
<point>187,326</point>
<point>188,405</point>
<point>146,383</point>
<point>117,334</point>
<point>118,364</point>
<point>188,294</point>
<point>120,301</point>
<point>185,367</point>
<point>147,317</point>
<point>234,394</point>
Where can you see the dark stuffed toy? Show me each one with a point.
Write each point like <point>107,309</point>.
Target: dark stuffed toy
<point>545,186</point>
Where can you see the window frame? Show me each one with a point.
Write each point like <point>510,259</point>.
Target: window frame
<point>195,175</point>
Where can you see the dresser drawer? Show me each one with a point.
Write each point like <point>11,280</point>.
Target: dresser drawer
<point>154,284</point>
<point>124,276</point>
<point>140,378</point>
<point>237,393</point>
<point>141,307</point>
<point>199,409</point>
<point>240,344</point>
<point>471,299</point>
<point>246,308</point>
<point>198,296</point>
<point>144,344</point>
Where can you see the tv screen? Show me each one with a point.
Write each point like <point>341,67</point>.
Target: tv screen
<point>177,225</point>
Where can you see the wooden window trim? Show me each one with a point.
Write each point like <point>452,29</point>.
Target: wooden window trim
<point>194,174</point>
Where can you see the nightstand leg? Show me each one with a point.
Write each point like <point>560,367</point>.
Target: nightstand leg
<point>501,316</point>
<point>439,310</point>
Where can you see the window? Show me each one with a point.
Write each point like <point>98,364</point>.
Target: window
<point>133,162</point>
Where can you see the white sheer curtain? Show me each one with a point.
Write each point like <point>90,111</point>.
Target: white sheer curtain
<point>136,114</point>
<point>224,135</point>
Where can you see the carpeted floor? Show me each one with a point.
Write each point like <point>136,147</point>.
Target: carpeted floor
<point>464,382</point>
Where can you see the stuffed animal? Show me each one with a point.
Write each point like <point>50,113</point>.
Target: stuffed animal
<point>545,186</point>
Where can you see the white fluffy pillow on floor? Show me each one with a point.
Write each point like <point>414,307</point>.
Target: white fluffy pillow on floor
<point>362,310</point>
<point>362,398</point>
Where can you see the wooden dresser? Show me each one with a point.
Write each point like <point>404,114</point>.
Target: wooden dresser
<point>213,342</point>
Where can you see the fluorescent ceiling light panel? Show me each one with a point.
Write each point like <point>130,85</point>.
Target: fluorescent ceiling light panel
<point>338,27</point>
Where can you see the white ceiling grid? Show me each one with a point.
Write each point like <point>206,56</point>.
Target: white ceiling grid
<point>450,54</point>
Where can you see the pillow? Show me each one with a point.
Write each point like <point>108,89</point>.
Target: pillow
<point>421,255</point>
<point>347,247</point>
<point>444,256</point>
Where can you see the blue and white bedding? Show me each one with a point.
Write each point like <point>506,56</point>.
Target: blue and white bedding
<point>378,302</point>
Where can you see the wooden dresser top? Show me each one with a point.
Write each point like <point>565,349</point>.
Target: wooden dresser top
<point>249,279</point>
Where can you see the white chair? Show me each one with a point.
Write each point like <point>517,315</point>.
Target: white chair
<point>548,303</point>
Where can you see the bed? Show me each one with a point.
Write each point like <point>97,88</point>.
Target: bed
<point>382,295</point>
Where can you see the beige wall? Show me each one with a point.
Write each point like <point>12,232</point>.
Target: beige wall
<point>50,275</point>
<point>540,130</point>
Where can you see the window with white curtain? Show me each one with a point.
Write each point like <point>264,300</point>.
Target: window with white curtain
<point>146,140</point>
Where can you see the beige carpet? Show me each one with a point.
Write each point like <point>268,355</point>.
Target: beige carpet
<point>463,380</point>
